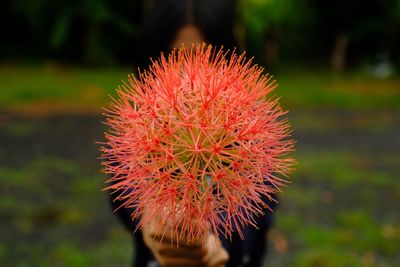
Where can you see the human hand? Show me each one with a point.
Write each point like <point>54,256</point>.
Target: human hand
<point>208,253</point>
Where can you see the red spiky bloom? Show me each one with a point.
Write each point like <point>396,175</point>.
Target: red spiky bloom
<point>197,142</point>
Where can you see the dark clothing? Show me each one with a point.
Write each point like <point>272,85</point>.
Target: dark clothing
<point>248,252</point>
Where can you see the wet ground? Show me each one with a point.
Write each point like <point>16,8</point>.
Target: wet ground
<point>342,208</point>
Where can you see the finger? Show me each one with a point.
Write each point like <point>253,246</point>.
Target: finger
<point>175,233</point>
<point>180,262</point>
<point>173,250</point>
<point>220,258</point>
<point>216,254</point>
<point>182,252</point>
<point>180,241</point>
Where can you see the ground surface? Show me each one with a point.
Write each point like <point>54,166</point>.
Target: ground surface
<point>340,210</point>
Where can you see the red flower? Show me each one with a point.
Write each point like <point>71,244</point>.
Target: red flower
<point>197,142</point>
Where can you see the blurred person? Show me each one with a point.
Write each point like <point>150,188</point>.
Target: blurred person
<point>169,24</point>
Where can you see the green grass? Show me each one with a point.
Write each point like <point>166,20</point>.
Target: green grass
<point>57,215</point>
<point>316,89</point>
<point>344,169</point>
<point>340,210</point>
<point>51,84</point>
<point>54,85</point>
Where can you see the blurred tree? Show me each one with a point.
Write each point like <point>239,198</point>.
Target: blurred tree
<point>394,34</point>
<point>357,26</point>
<point>92,30</point>
<point>266,20</point>
<point>339,33</point>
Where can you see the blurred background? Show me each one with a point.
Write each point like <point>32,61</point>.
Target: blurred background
<point>337,64</point>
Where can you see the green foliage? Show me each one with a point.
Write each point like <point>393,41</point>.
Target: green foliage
<point>305,31</point>
<point>104,31</point>
<point>263,17</point>
<point>396,10</point>
<point>259,15</point>
<point>58,22</point>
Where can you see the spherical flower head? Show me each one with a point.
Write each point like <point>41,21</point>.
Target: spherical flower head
<point>197,143</point>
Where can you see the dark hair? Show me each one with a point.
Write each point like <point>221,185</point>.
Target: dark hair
<point>214,18</point>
